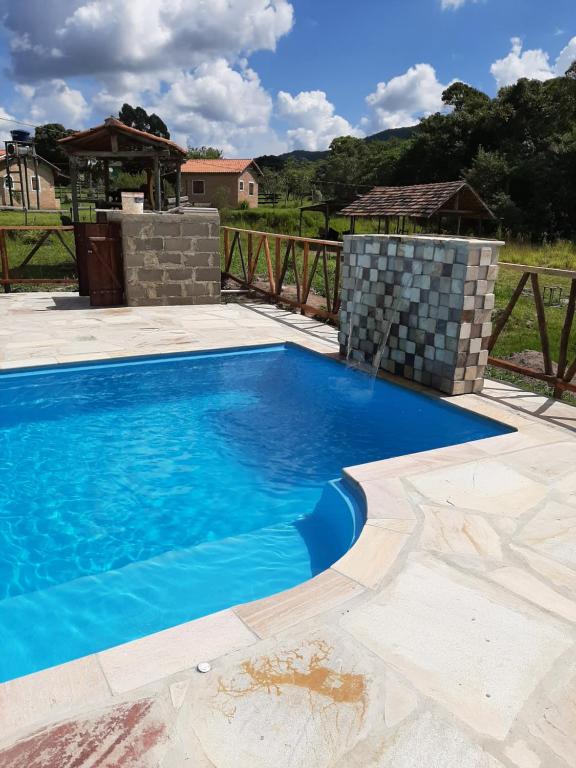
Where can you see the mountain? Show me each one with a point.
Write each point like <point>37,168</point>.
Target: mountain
<point>277,162</point>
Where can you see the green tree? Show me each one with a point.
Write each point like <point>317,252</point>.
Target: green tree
<point>137,117</point>
<point>272,183</point>
<point>46,140</point>
<point>203,153</point>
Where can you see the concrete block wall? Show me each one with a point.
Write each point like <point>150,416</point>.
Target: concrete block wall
<point>435,297</point>
<point>170,258</point>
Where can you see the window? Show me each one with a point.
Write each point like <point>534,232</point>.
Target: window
<point>35,183</point>
<point>251,188</point>
<point>8,182</point>
<point>241,186</point>
<point>198,187</point>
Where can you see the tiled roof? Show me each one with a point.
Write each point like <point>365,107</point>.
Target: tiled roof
<point>215,166</point>
<point>419,200</point>
<point>112,122</point>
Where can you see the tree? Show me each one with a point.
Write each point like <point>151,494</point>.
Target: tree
<point>203,153</point>
<point>137,117</point>
<point>272,183</point>
<point>46,140</point>
<point>571,71</point>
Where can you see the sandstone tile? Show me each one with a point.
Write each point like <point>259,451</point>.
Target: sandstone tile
<point>392,524</point>
<point>431,742</point>
<point>131,735</point>
<point>386,498</point>
<point>546,463</point>
<point>552,532</point>
<point>556,724</point>
<point>273,614</point>
<point>529,587</point>
<point>302,702</point>
<point>455,639</point>
<point>484,486</point>
<point>558,574</point>
<point>521,755</point>
<point>50,694</point>
<point>452,531</point>
<point>373,555</point>
<point>162,654</point>
<point>400,701</point>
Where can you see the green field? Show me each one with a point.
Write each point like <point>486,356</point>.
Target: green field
<point>521,333</point>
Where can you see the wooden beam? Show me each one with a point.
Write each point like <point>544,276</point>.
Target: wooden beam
<point>74,189</point>
<point>565,335</point>
<point>542,327</point>
<point>503,319</point>
<point>97,154</point>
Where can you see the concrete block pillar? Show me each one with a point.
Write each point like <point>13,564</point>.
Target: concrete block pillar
<point>170,258</point>
<point>420,307</point>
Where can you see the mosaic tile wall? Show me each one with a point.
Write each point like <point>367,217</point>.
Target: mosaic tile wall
<point>423,303</point>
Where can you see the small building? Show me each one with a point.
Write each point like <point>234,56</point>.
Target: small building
<point>425,205</point>
<point>40,187</point>
<point>221,183</point>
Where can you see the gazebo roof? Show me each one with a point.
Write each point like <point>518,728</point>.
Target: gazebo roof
<point>421,201</point>
<point>114,138</point>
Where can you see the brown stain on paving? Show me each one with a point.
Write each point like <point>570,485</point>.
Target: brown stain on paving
<point>121,738</point>
<point>273,673</point>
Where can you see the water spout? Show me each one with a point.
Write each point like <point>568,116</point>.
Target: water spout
<point>393,316</point>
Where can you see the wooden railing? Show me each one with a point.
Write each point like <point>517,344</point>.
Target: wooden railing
<point>297,271</point>
<point>12,274</point>
<point>560,380</point>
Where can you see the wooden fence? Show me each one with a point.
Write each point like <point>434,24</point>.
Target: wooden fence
<point>561,377</point>
<point>310,269</point>
<point>297,271</point>
<point>15,274</point>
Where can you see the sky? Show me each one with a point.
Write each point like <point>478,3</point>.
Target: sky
<point>253,77</point>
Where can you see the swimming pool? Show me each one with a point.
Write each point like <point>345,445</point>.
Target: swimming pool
<point>139,494</point>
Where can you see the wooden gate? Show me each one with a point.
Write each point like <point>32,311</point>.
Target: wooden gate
<point>100,264</point>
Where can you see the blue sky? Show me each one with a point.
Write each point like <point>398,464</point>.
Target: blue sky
<point>255,76</point>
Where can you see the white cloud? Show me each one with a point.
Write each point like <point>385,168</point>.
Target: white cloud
<point>566,57</point>
<point>184,59</point>
<point>453,5</point>
<point>220,106</point>
<point>98,36</point>
<point>6,127</point>
<point>314,120</point>
<point>52,101</point>
<point>533,64</point>
<point>404,99</point>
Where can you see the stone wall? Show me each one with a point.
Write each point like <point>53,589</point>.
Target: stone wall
<point>170,258</point>
<point>433,295</point>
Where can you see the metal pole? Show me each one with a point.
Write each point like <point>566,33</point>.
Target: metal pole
<point>9,177</point>
<point>74,188</point>
<point>37,182</point>
<point>27,182</point>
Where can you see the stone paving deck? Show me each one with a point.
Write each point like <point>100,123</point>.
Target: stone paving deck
<point>444,639</point>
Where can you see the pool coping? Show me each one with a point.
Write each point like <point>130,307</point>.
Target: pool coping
<point>53,694</point>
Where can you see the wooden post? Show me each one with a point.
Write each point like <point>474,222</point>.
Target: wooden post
<point>158,184</point>
<point>541,315</point>
<point>10,180</point>
<point>107,180</point>
<point>304,291</point>
<point>74,189</point>
<point>178,182</point>
<point>565,336</point>
<point>4,259</point>
<point>226,249</point>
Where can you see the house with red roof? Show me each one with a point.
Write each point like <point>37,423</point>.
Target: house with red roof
<point>221,183</point>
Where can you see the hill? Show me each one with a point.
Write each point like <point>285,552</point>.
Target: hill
<point>277,162</point>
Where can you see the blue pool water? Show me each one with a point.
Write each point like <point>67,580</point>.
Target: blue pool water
<point>140,494</point>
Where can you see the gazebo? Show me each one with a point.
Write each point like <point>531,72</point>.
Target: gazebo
<point>114,141</point>
<point>420,203</point>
